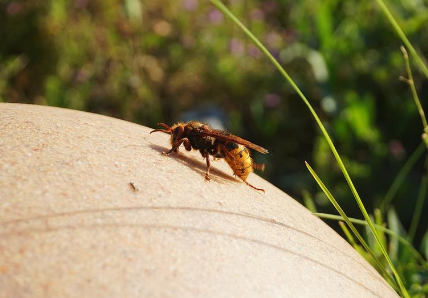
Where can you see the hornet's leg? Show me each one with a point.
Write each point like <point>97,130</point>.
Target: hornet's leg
<point>178,144</point>
<point>254,187</point>
<point>187,144</point>
<point>223,149</point>
<point>228,155</point>
<point>207,173</point>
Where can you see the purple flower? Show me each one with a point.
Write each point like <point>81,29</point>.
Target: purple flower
<point>272,100</point>
<point>190,5</point>
<point>236,47</point>
<point>270,6</point>
<point>13,8</point>
<point>215,16</point>
<point>82,75</point>
<point>254,51</point>
<point>81,4</point>
<point>396,148</point>
<point>257,15</point>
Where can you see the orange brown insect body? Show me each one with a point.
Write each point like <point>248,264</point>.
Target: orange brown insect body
<point>219,144</point>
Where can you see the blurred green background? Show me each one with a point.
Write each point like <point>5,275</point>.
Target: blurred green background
<point>163,61</point>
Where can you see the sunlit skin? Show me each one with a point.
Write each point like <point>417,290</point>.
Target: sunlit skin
<point>200,136</point>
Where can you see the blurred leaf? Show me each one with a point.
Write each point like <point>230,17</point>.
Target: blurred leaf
<point>395,225</point>
<point>9,69</point>
<point>134,11</point>
<point>308,200</point>
<point>424,244</point>
<point>54,92</point>
<point>324,21</point>
<point>360,113</point>
<point>379,221</point>
<point>357,247</point>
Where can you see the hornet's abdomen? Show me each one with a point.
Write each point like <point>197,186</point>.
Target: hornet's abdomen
<point>239,160</point>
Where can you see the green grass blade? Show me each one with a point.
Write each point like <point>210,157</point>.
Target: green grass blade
<point>377,215</point>
<point>264,50</point>
<point>424,244</point>
<point>349,223</point>
<point>399,179</point>
<point>419,205</point>
<point>347,233</point>
<point>413,88</point>
<point>358,247</point>
<point>403,37</point>
<point>401,239</point>
<point>308,201</point>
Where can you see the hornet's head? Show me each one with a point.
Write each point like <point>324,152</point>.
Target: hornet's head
<point>176,132</point>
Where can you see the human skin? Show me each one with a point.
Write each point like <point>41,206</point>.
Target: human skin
<point>71,225</point>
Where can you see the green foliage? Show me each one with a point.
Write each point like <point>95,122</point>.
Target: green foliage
<point>152,61</point>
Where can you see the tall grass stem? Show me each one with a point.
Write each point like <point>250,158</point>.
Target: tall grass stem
<point>264,50</point>
<point>403,37</point>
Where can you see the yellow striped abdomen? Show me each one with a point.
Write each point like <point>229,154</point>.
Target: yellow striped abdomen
<point>239,160</point>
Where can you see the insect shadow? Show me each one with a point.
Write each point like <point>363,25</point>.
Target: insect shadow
<point>195,165</point>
